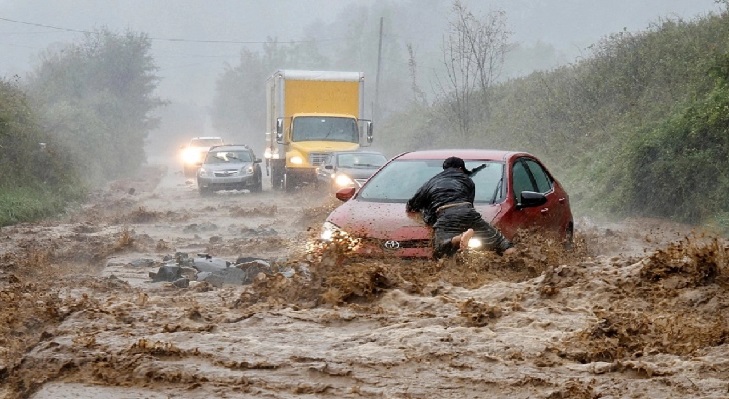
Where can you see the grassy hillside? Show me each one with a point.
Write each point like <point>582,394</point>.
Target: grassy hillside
<point>637,128</point>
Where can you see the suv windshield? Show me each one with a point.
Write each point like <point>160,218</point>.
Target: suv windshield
<point>230,156</point>
<point>313,128</point>
<point>399,180</point>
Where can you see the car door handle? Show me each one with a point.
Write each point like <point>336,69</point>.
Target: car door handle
<point>561,200</point>
<point>545,211</point>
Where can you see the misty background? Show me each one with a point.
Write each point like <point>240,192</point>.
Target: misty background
<point>195,42</point>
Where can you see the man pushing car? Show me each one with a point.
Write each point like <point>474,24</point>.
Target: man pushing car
<point>446,202</point>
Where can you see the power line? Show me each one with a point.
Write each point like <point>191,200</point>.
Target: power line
<point>178,40</point>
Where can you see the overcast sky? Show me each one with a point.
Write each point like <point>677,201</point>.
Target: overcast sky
<point>189,67</point>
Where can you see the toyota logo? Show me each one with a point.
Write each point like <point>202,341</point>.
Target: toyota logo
<point>391,245</point>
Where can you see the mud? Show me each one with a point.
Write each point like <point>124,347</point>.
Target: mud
<point>635,309</point>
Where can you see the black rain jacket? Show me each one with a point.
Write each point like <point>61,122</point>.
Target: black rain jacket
<point>447,187</point>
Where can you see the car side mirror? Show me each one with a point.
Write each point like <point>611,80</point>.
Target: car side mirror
<point>369,132</point>
<point>329,167</point>
<point>531,199</point>
<point>345,194</point>
<point>258,160</point>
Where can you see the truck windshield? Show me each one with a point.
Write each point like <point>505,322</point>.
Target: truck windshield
<point>317,128</point>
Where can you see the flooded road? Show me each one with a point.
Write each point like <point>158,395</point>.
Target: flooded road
<point>638,309</point>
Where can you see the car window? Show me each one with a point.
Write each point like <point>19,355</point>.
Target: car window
<point>399,180</point>
<point>544,183</point>
<point>521,179</point>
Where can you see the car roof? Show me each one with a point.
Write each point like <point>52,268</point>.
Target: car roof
<point>466,154</point>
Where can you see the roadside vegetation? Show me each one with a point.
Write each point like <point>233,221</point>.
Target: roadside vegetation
<point>79,120</point>
<point>640,127</point>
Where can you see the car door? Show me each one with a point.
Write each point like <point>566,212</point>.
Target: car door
<point>522,180</point>
<point>553,209</point>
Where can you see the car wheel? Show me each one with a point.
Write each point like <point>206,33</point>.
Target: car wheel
<point>205,191</point>
<point>258,186</point>
<point>569,237</point>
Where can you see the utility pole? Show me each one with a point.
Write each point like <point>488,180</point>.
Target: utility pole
<point>376,110</point>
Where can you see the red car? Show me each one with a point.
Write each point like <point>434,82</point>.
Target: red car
<point>513,191</point>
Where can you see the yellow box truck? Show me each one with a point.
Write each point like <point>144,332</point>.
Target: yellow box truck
<point>310,114</point>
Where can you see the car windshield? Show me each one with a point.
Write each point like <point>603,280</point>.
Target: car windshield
<point>228,157</point>
<point>205,142</point>
<point>314,128</point>
<point>399,180</point>
<point>361,160</point>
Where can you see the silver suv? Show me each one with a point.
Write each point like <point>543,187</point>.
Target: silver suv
<point>230,167</point>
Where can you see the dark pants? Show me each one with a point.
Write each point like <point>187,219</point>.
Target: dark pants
<point>454,221</point>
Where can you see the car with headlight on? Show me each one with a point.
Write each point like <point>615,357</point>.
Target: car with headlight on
<point>194,152</point>
<point>514,190</point>
<point>345,169</point>
<point>230,167</point>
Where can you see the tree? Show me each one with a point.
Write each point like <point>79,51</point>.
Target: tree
<point>96,98</point>
<point>239,105</point>
<point>473,56</point>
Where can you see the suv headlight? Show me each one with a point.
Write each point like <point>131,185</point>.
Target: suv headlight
<point>248,170</point>
<point>202,172</point>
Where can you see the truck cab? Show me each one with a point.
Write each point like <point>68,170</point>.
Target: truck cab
<point>310,115</point>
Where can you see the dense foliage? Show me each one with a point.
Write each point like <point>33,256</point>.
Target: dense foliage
<point>79,121</point>
<point>35,180</point>
<point>95,98</point>
<point>637,128</point>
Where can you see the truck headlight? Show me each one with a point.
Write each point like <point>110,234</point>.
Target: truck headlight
<point>296,160</point>
<point>343,181</point>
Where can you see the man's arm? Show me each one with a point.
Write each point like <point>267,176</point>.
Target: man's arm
<point>418,201</point>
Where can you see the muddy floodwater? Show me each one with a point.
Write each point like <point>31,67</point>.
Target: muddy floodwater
<point>637,309</point>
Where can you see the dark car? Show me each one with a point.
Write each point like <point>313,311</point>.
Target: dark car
<point>513,191</point>
<point>230,167</point>
<point>349,168</point>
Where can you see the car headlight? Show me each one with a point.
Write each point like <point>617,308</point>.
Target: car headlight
<point>329,230</point>
<point>248,170</point>
<point>343,181</point>
<point>474,243</point>
<point>190,156</point>
<point>202,172</point>
<point>296,160</point>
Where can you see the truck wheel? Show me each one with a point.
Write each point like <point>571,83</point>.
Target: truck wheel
<point>276,179</point>
<point>289,183</point>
